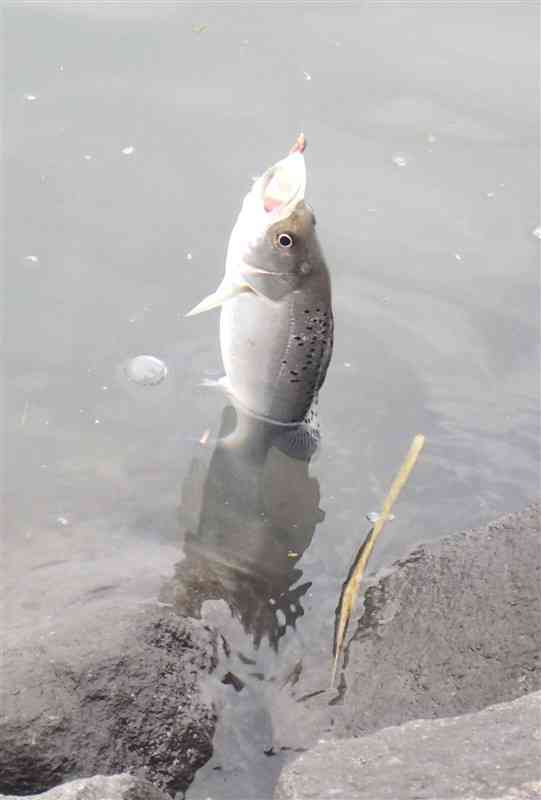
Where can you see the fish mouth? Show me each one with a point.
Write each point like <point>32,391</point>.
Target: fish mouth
<point>283,185</point>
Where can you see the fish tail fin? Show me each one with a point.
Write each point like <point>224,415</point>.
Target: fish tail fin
<point>302,441</point>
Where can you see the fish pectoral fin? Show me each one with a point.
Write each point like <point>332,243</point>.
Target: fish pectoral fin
<point>219,297</point>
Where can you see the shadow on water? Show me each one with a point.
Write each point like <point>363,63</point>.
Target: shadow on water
<point>248,518</point>
<point>249,510</point>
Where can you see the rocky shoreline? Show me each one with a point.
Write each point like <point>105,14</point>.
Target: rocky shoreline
<point>127,700</point>
<point>493,753</point>
<point>452,630</point>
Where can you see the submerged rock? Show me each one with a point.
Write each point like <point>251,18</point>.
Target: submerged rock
<point>118,693</point>
<point>101,787</point>
<point>494,753</point>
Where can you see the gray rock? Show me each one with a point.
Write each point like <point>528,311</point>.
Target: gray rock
<point>116,692</point>
<point>494,753</point>
<point>101,787</point>
<point>455,628</point>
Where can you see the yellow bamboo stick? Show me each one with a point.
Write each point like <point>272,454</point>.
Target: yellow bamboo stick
<point>351,589</point>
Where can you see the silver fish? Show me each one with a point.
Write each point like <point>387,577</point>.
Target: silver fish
<point>276,327</point>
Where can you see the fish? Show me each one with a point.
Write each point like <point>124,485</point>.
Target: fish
<point>276,321</point>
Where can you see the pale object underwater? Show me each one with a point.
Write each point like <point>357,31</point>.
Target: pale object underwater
<point>276,327</point>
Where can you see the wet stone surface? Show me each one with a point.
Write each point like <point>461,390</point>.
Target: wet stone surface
<point>456,628</point>
<point>496,754</point>
<point>119,693</point>
<point>452,628</point>
<point>101,787</point>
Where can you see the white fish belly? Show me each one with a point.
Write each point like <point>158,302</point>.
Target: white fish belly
<point>273,353</point>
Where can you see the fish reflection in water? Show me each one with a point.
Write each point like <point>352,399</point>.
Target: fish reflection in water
<point>250,514</point>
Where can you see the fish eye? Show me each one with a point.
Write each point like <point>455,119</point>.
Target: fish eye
<point>284,240</point>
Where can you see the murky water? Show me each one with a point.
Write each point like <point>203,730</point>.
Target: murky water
<point>131,135</point>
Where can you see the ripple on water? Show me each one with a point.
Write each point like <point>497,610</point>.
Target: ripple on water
<point>145,370</point>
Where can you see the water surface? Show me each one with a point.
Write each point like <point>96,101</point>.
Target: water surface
<point>132,132</point>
